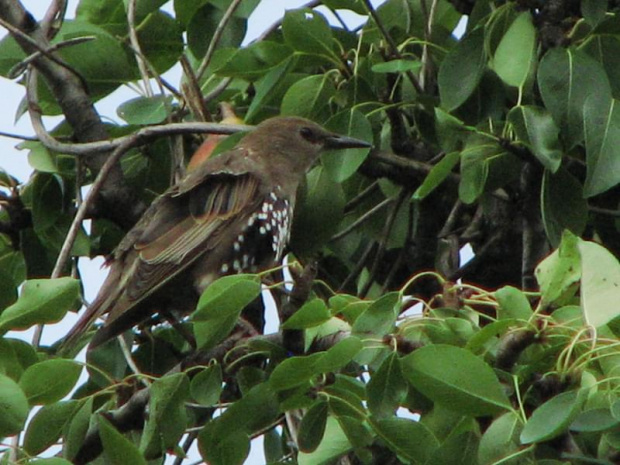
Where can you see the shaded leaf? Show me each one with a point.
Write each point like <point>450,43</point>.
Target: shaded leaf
<point>312,427</point>
<point>13,407</point>
<point>455,378</point>
<point>552,418</point>
<point>50,380</point>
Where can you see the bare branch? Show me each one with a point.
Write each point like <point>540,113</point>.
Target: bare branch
<point>133,39</point>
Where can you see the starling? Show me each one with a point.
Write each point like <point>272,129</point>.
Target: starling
<point>231,214</point>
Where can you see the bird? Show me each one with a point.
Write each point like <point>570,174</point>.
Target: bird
<point>231,214</point>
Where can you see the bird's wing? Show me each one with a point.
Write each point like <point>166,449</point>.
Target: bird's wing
<point>180,226</point>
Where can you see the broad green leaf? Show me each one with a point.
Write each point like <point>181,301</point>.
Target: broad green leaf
<point>566,78</point>
<point>594,420</point>
<point>593,11</point>
<point>76,432</point>
<point>562,205</point>
<point>605,48</point>
<point>223,449</point>
<point>437,175</point>
<point>342,164</point>
<point>309,97</point>
<point>452,132</point>
<point>117,448</point>
<point>41,301</point>
<point>50,461</point>
<point>455,378</point>
<point>294,371</point>
<point>461,71</point>
<point>474,171</point>
<point>313,313</point>
<point>602,132</point>
<point>512,304</point>
<point>307,31</point>
<point>397,66</point>
<point>558,273</point>
<point>145,110</point>
<point>552,418</point>
<point>161,40</point>
<point>203,24</point>
<point>501,439</point>
<point>50,380</point>
<point>319,211</point>
<point>333,445</point>
<point>312,427</point>
<point>206,386</point>
<point>457,449</point>
<point>227,296</point>
<point>600,283</point>
<point>535,128</point>
<point>46,426</point>
<point>212,331</point>
<point>515,55</point>
<point>41,159</point>
<point>47,202</point>
<point>254,61</point>
<point>380,317</point>
<point>387,388</point>
<point>167,419</point>
<point>13,407</point>
<point>339,355</point>
<point>410,440</point>
<point>267,86</point>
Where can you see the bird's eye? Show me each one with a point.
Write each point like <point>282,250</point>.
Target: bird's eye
<point>308,134</point>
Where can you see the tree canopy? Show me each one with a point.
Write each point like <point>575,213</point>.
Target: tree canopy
<point>505,138</point>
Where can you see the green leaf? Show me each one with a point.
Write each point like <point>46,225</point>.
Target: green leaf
<point>209,333</point>
<point>558,273</point>
<point>13,407</point>
<point>460,72</point>
<point>342,164</point>
<point>437,175</point>
<point>161,40</point>
<point>312,427</point>
<point>203,24</point>
<point>474,171</point>
<point>552,418</point>
<point>333,445</point>
<point>563,206</point>
<point>602,132</point>
<point>145,110</point>
<point>397,66</point>
<point>566,78</point>
<point>515,55</point>
<point>254,61</point>
<point>206,386</point>
<point>118,449</point>
<point>294,371</point>
<point>455,378</point>
<point>512,304</point>
<point>593,11</point>
<point>410,440</point>
<point>41,301</point>
<point>227,296</point>
<point>49,381</point>
<point>313,313</point>
<point>46,426</point>
<point>267,86</point>
<point>167,419</point>
<point>387,388</point>
<point>501,439</point>
<point>535,128</point>
<point>339,355</point>
<point>76,432</point>
<point>594,420</point>
<point>307,31</point>
<point>600,284</point>
<point>309,97</point>
<point>47,202</point>
<point>380,317</point>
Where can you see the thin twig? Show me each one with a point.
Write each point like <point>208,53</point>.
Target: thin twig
<point>217,35</point>
<point>391,44</point>
<point>362,219</point>
<point>56,10</point>
<point>17,136</point>
<point>135,44</point>
<point>427,35</point>
<point>383,242</point>
<point>43,51</point>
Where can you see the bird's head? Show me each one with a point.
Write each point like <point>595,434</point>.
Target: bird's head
<point>296,142</point>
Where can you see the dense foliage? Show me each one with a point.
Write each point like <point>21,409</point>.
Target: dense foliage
<point>506,138</point>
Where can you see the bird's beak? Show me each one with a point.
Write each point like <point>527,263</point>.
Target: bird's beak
<point>336,141</point>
